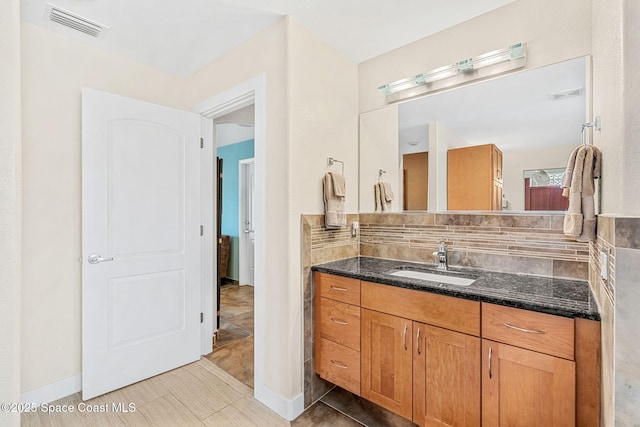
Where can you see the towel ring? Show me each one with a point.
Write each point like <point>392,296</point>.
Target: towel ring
<point>331,161</point>
<point>594,124</point>
<point>380,172</point>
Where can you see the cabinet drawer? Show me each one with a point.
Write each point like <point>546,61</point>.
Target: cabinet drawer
<point>340,323</point>
<point>338,288</point>
<point>539,332</point>
<point>438,310</point>
<point>339,365</point>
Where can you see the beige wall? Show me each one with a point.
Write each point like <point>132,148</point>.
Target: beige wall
<point>553,30</point>
<point>54,70</point>
<point>608,100</point>
<point>10,216</point>
<point>323,122</point>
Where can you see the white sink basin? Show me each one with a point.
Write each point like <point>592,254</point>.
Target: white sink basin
<point>438,278</point>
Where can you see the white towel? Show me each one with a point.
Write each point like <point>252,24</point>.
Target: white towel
<point>335,216</point>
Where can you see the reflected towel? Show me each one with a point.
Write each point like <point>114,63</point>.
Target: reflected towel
<point>335,216</point>
<point>388,193</point>
<point>383,195</point>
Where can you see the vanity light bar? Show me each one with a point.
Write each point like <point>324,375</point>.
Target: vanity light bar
<point>465,66</point>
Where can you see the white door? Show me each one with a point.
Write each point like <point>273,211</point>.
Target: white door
<point>140,240</point>
<point>247,240</point>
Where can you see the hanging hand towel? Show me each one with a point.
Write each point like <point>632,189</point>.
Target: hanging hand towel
<point>388,194</point>
<point>376,196</point>
<point>339,187</point>
<point>335,216</point>
<point>580,219</point>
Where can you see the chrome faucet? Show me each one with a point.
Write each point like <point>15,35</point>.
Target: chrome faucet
<point>442,262</point>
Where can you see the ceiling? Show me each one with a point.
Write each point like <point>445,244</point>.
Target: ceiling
<point>514,112</point>
<point>181,36</point>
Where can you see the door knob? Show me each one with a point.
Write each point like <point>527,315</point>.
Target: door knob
<point>96,258</point>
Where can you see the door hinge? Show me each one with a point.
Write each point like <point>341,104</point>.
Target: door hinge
<point>202,230</point>
<point>201,317</point>
<point>201,142</point>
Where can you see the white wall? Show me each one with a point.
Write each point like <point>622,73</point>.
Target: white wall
<point>553,30</point>
<point>515,162</point>
<point>54,70</point>
<point>10,215</point>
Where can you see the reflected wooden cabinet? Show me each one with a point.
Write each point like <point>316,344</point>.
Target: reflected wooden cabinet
<point>446,377</point>
<point>474,178</point>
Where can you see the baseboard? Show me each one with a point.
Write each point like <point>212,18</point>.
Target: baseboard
<point>53,392</point>
<point>289,409</point>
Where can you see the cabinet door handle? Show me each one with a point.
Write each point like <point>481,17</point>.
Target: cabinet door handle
<point>339,365</point>
<point>338,288</point>
<point>528,331</point>
<point>418,341</point>
<point>338,321</point>
<point>490,353</point>
<point>405,337</point>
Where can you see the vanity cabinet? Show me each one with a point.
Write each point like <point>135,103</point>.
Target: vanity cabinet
<point>474,178</point>
<point>337,330</point>
<point>444,361</point>
<point>529,369</point>
<point>418,359</point>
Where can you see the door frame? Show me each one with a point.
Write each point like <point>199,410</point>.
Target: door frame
<point>252,91</point>
<point>244,270</point>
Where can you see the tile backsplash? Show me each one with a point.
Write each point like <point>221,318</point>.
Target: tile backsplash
<point>518,243</point>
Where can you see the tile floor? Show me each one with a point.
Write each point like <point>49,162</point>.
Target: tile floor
<point>214,391</point>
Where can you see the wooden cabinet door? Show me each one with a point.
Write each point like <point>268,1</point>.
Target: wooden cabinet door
<point>446,377</point>
<point>386,351</point>
<point>526,389</point>
<point>496,162</point>
<point>496,196</point>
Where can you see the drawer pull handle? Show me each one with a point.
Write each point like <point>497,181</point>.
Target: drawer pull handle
<point>405,337</point>
<point>528,331</point>
<point>339,365</point>
<point>338,288</point>
<point>418,341</point>
<point>338,321</point>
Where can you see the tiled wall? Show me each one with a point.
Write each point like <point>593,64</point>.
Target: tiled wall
<point>618,298</point>
<point>519,243</point>
<point>319,245</point>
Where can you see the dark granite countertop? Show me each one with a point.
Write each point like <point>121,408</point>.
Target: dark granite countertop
<point>561,297</point>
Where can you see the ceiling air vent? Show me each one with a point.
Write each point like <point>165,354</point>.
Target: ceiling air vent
<point>73,21</point>
<point>571,93</point>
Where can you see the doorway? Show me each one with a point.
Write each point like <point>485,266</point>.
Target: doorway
<point>252,91</point>
<point>233,344</point>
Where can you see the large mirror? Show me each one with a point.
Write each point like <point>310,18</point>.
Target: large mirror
<point>491,145</point>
